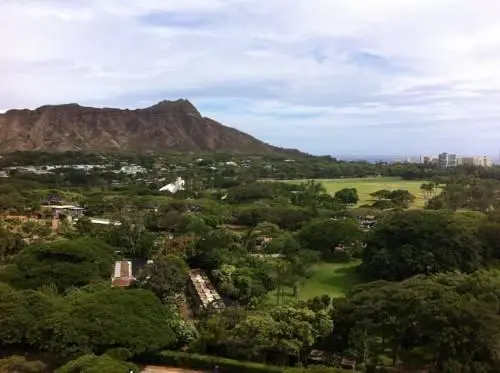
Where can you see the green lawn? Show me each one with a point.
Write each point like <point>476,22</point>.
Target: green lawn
<point>368,185</point>
<point>333,279</point>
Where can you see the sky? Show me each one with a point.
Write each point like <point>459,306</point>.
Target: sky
<point>324,76</point>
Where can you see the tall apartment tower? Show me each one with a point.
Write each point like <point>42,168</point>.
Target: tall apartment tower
<point>447,160</point>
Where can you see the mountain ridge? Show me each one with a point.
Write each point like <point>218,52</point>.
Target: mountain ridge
<point>165,126</point>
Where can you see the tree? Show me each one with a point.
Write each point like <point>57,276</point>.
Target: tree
<point>261,236</point>
<point>433,322</point>
<point>454,196</point>
<point>23,316</point>
<point>483,195</point>
<point>309,195</point>
<point>384,204</point>
<point>436,203</point>
<point>218,247</point>
<point>325,234</point>
<point>19,364</point>
<point>14,316</point>
<point>64,263</point>
<point>387,199</point>
<point>428,190</point>
<point>135,239</point>
<point>319,303</point>
<point>423,242</point>
<point>401,198</point>
<point>97,364</point>
<point>10,244</point>
<point>84,226</point>
<point>381,194</point>
<point>113,318</point>
<point>289,330</point>
<point>348,196</point>
<point>167,277</point>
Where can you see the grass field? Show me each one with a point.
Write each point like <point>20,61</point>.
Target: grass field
<point>333,279</point>
<point>368,185</point>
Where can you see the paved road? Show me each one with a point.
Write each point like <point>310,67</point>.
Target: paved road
<point>160,369</point>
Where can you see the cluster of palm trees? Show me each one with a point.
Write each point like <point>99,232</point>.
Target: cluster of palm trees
<point>429,190</point>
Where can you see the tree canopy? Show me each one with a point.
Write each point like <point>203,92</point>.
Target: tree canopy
<point>167,276</point>
<point>97,364</point>
<point>408,243</point>
<point>64,263</point>
<point>107,319</point>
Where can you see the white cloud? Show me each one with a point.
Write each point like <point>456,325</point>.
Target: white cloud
<point>406,72</point>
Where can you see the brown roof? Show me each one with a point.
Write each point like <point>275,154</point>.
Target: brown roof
<point>122,282</point>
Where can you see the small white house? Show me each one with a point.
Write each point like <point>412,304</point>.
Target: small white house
<point>174,187</point>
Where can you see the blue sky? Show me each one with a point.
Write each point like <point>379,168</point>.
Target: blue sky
<point>325,76</point>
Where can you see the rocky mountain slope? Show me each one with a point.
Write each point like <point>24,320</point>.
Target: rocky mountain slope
<point>168,125</point>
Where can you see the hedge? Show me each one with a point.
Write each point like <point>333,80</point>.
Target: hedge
<point>204,362</point>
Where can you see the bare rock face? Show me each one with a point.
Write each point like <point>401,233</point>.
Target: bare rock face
<point>168,125</point>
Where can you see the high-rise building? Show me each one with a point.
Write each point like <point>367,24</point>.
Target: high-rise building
<point>482,161</point>
<point>447,160</point>
<point>429,159</point>
<point>486,162</point>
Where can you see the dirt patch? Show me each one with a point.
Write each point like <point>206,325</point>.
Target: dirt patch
<point>160,369</point>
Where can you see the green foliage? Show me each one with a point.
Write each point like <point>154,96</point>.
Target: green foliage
<point>388,199</point>
<point>244,283</point>
<point>348,196</point>
<point>286,217</point>
<point>132,319</point>
<point>446,322</point>
<point>132,237</point>
<point>381,194</point>
<point>64,263</point>
<point>23,316</point>
<point>319,303</point>
<point>10,245</point>
<point>195,361</point>
<point>449,320</point>
<point>19,364</point>
<point>474,194</point>
<point>166,277</point>
<point>260,190</point>
<point>120,322</point>
<point>97,364</point>
<point>422,242</point>
<point>324,235</point>
<point>401,198</point>
<point>14,315</point>
<point>216,248</point>
<point>287,330</point>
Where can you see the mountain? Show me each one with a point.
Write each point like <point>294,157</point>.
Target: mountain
<point>168,125</point>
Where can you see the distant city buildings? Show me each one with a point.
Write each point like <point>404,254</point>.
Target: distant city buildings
<point>446,160</point>
<point>475,161</point>
<point>430,159</point>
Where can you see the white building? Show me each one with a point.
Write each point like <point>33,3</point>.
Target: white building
<point>174,187</point>
<point>481,161</point>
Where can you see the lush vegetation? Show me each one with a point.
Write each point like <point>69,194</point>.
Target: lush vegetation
<point>398,270</point>
<point>366,186</point>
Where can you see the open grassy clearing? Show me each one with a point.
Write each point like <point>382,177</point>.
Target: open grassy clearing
<point>334,279</point>
<point>368,185</point>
